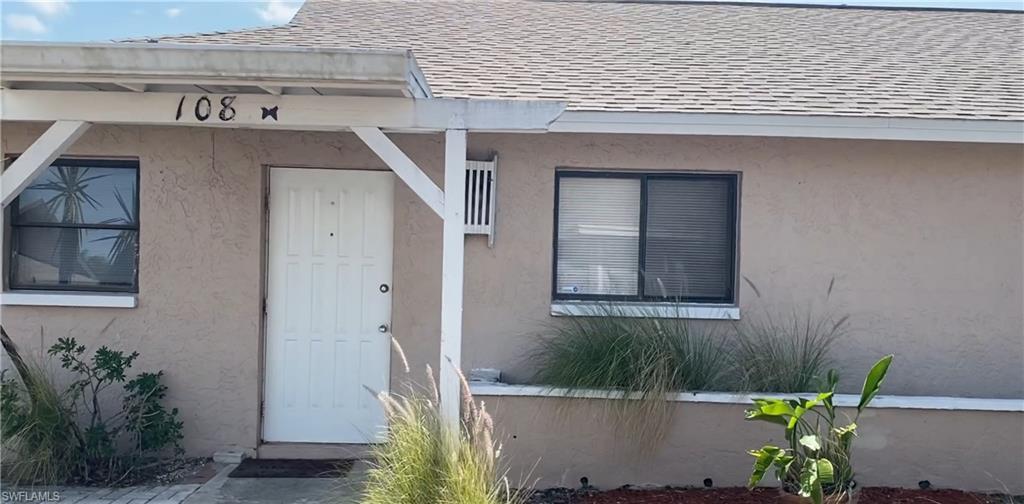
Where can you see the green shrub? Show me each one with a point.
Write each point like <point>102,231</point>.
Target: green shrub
<point>425,459</point>
<point>817,461</point>
<point>151,426</point>
<point>790,353</point>
<point>642,359</point>
<point>60,437</point>
<point>646,357</point>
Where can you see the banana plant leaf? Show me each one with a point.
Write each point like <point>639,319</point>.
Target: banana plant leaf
<point>873,381</point>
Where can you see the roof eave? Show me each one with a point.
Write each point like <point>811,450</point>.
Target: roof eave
<point>147,66</point>
<point>792,125</point>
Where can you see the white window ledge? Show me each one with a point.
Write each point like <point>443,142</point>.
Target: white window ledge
<point>73,299</point>
<point>657,310</point>
<point>844,400</point>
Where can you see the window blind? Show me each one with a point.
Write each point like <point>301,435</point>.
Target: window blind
<point>646,237</point>
<point>688,253</point>
<point>598,230</point>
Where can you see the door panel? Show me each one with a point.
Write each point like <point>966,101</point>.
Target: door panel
<point>330,251</point>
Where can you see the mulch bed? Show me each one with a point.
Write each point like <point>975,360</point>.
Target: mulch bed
<point>744,496</point>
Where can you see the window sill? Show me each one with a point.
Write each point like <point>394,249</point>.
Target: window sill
<point>657,310</point>
<point>69,299</point>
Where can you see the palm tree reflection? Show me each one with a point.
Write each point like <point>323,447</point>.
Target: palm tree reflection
<point>69,186</point>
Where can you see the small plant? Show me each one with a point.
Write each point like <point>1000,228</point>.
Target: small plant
<point>816,464</point>
<point>59,437</point>
<point>427,459</point>
<point>788,353</point>
<point>151,426</point>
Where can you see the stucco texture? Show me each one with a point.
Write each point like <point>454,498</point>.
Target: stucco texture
<point>925,240</point>
<point>971,450</point>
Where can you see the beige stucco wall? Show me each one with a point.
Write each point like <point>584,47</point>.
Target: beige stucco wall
<point>971,450</point>
<point>925,240</point>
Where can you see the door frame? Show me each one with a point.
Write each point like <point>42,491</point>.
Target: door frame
<point>265,188</point>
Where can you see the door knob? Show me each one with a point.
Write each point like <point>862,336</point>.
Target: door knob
<point>383,328</point>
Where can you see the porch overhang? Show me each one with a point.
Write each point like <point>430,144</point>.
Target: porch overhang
<point>221,69</point>
<point>365,92</point>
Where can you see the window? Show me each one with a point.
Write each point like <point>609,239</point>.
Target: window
<point>76,228</point>
<point>645,237</point>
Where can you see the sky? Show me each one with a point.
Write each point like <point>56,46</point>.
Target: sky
<point>103,20</point>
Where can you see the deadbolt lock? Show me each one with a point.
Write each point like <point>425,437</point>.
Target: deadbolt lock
<point>384,288</point>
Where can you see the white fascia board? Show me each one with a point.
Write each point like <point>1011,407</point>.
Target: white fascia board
<point>840,127</point>
<point>843,400</point>
<point>68,299</point>
<point>202,63</point>
<point>292,112</point>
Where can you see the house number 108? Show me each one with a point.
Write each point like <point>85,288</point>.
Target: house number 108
<point>203,108</point>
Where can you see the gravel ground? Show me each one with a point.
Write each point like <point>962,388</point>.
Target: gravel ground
<point>189,470</point>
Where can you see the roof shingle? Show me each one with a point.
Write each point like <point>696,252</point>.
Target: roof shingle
<point>685,57</point>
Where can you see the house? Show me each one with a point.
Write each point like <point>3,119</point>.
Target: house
<point>455,174</point>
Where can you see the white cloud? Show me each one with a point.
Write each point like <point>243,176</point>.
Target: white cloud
<point>50,7</point>
<point>25,23</point>
<point>278,11</point>
<point>173,12</point>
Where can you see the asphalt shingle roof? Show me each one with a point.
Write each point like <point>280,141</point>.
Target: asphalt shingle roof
<point>686,57</point>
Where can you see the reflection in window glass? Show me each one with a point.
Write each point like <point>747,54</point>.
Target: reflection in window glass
<point>54,257</point>
<point>76,228</point>
<point>79,195</point>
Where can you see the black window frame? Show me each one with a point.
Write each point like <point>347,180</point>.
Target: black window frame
<point>12,250</point>
<point>645,177</point>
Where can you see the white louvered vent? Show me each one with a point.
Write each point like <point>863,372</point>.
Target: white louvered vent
<point>481,197</point>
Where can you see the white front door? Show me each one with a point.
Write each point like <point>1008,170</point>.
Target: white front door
<point>328,305</point>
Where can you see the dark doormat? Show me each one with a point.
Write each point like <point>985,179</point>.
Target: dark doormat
<point>287,468</point>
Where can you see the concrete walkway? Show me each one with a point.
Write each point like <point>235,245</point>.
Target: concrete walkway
<point>220,489</point>
<point>224,490</point>
<point>172,494</point>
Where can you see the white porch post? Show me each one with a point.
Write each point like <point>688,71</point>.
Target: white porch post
<point>452,264</point>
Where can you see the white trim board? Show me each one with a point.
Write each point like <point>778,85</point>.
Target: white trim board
<point>333,113</point>
<point>282,112</point>
<point>657,310</point>
<point>777,125</point>
<point>69,299</point>
<point>844,400</point>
